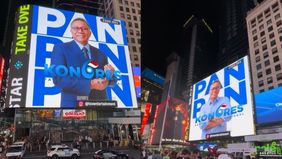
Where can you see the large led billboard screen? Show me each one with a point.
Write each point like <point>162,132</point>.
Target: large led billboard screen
<point>171,125</point>
<point>222,104</point>
<point>2,61</point>
<point>61,57</point>
<point>269,106</point>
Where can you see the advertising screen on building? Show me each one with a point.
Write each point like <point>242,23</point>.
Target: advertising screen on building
<point>170,126</point>
<point>269,106</point>
<point>2,62</point>
<point>137,80</point>
<point>222,104</point>
<point>61,57</point>
<point>269,149</point>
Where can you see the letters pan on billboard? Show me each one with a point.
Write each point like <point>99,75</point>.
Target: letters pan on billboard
<point>222,104</point>
<point>52,65</point>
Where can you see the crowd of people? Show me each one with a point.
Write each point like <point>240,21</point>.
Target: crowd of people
<point>185,153</point>
<point>172,154</point>
<point>6,138</point>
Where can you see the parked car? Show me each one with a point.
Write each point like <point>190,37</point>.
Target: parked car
<point>62,151</point>
<point>110,154</point>
<point>16,150</point>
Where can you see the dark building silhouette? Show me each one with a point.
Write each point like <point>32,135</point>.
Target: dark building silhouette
<point>233,37</point>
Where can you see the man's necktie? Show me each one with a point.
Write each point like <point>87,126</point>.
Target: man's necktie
<point>85,53</point>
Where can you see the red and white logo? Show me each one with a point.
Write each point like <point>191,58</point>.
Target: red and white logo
<point>223,106</point>
<point>93,64</point>
<point>74,114</point>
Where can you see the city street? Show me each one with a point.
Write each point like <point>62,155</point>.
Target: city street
<point>132,153</point>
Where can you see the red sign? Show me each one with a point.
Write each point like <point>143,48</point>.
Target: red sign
<point>2,61</point>
<point>74,114</point>
<point>145,117</point>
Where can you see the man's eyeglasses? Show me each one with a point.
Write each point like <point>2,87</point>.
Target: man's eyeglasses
<point>79,28</point>
<point>215,88</point>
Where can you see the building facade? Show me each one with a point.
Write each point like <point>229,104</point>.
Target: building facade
<point>233,39</point>
<point>264,24</point>
<point>130,12</point>
<point>152,89</point>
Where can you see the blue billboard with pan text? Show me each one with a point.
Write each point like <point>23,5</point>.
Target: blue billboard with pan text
<point>61,58</point>
<point>222,104</point>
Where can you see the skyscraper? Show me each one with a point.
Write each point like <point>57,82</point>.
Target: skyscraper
<point>264,24</point>
<point>201,56</point>
<point>85,6</point>
<point>130,12</point>
<point>233,42</point>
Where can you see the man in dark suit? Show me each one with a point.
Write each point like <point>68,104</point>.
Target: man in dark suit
<point>74,54</point>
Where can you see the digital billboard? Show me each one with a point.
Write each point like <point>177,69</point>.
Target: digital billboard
<point>61,57</point>
<point>170,126</point>
<point>2,62</point>
<point>137,80</point>
<point>269,106</point>
<point>222,104</point>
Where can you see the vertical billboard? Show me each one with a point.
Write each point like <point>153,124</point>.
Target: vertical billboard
<point>171,125</point>
<point>137,80</point>
<point>2,62</point>
<point>222,104</point>
<point>60,57</point>
<point>269,106</point>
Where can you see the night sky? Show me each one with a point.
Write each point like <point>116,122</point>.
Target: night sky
<point>162,31</point>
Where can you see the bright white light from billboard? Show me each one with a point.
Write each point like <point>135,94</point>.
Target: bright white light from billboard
<point>222,104</point>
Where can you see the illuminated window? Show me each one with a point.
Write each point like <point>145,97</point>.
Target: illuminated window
<point>265,55</point>
<point>259,75</point>
<point>274,50</point>
<point>280,30</point>
<point>279,23</point>
<point>264,47</point>
<point>263,40</point>
<point>261,83</point>
<point>257,59</point>
<point>279,76</point>
<point>268,22</point>
<point>269,80</point>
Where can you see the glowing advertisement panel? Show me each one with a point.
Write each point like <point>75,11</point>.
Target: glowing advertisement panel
<point>222,104</point>
<point>61,58</point>
<point>2,62</point>
<point>269,106</point>
<point>174,122</point>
